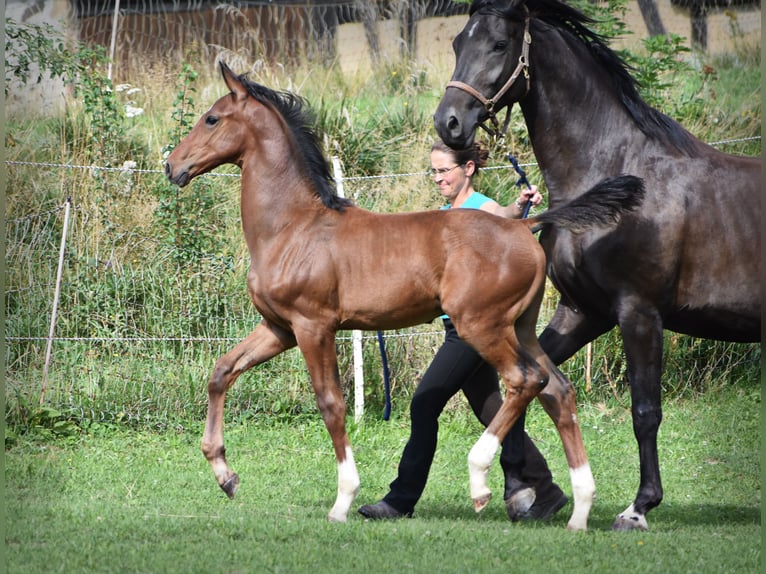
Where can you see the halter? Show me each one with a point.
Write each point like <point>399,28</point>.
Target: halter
<point>489,103</point>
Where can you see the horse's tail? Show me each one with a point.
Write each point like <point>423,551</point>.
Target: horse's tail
<point>602,206</point>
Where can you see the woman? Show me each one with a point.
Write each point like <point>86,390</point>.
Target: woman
<point>457,366</point>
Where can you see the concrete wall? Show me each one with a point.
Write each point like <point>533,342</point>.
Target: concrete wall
<point>47,97</point>
<point>726,29</point>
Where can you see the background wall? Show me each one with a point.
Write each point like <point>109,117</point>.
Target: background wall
<point>354,33</point>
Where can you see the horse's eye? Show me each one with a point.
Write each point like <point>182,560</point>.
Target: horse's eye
<point>211,120</point>
<point>500,46</point>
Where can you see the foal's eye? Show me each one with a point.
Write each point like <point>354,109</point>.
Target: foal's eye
<point>211,120</point>
<point>500,46</point>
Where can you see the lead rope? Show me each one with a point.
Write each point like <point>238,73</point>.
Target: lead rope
<point>386,377</point>
<point>522,181</point>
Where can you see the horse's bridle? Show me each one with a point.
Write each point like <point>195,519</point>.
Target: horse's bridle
<point>489,103</point>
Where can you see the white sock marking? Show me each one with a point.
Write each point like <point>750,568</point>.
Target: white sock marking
<point>630,514</point>
<point>479,461</point>
<point>348,488</point>
<point>583,491</point>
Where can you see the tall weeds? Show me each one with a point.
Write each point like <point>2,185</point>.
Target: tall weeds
<point>154,283</point>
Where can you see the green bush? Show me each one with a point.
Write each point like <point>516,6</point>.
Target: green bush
<point>154,286</point>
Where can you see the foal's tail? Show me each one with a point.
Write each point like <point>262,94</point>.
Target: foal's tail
<point>601,206</point>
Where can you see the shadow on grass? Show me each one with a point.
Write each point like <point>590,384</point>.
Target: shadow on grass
<point>601,518</point>
<point>690,514</point>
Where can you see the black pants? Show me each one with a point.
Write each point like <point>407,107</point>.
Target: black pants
<point>457,366</point>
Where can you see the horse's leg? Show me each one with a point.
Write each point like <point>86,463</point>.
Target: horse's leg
<point>485,399</point>
<point>641,328</point>
<point>569,331</point>
<point>258,347</point>
<point>559,401</point>
<point>520,378</point>
<point>321,360</point>
<point>523,378</point>
<point>558,398</point>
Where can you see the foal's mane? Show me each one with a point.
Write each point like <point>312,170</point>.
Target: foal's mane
<point>653,123</point>
<point>300,119</point>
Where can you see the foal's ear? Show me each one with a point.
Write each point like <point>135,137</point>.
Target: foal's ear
<point>233,82</point>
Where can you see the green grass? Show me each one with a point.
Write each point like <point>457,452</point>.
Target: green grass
<point>127,501</point>
<point>92,486</point>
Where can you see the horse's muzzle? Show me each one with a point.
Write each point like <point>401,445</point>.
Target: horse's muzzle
<point>180,179</point>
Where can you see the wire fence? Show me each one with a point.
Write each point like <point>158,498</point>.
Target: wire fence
<point>283,32</point>
<point>138,328</point>
<point>144,35</point>
<point>151,332</point>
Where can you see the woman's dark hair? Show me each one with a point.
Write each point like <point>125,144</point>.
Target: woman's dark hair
<point>477,153</point>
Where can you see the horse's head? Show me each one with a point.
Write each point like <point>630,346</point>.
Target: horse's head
<point>216,139</point>
<point>490,70</point>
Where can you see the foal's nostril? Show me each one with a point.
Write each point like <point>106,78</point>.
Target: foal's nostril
<point>168,170</point>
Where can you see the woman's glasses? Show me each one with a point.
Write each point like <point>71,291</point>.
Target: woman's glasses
<point>442,171</point>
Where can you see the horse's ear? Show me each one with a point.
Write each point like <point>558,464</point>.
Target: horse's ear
<point>233,82</point>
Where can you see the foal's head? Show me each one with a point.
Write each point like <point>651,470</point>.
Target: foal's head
<point>247,120</point>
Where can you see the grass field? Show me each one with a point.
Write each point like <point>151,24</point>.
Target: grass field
<point>128,501</point>
<point>107,476</point>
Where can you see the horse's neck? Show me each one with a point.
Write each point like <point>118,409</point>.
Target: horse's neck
<point>273,197</point>
<point>574,120</point>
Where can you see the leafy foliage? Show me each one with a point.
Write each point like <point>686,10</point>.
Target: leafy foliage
<point>184,215</point>
<point>154,288</point>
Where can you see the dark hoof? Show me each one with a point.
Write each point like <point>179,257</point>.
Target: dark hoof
<point>519,504</point>
<point>382,511</point>
<point>543,509</point>
<point>231,485</point>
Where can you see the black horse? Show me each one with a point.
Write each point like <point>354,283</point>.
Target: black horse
<point>687,261</point>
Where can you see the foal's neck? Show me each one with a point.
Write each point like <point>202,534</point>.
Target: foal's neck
<point>275,193</point>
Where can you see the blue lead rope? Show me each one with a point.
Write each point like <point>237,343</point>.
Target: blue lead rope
<point>522,180</point>
<point>386,378</point>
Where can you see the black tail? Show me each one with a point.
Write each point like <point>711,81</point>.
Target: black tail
<point>601,206</point>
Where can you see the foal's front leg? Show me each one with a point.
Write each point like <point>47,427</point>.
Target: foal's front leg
<point>258,347</point>
<point>322,363</point>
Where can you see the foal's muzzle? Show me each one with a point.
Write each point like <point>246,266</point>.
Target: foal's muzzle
<point>180,179</point>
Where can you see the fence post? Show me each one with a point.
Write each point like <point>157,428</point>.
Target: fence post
<point>56,294</point>
<point>356,335</point>
<point>112,47</point>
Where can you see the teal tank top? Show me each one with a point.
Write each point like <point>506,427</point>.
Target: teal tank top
<point>474,201</point>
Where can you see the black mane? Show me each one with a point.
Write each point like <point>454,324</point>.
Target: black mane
<point>651,122</point>
<point>300,119</point>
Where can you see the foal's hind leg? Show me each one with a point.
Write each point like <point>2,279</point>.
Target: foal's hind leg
<point>258,347</point>
<point>523,378</point>
<point>558,400</point>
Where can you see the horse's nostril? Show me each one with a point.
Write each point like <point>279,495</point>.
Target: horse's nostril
<point>453,123</point>
<point>168,169</point>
